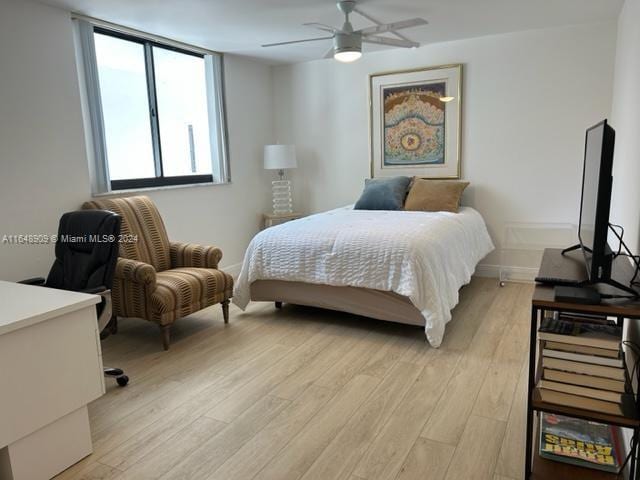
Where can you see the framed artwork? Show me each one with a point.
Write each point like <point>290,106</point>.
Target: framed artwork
<point>415,119</point>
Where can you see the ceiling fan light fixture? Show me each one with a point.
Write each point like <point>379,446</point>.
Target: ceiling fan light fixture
<point>347,47</point>
<point>347,56</point>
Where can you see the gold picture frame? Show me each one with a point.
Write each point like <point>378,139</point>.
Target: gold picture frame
<point>401,141</point>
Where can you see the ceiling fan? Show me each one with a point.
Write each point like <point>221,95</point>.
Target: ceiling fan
<point>347,42</point>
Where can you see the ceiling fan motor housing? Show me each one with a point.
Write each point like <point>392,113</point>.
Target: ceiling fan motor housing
<point>346,6</point>
<point>347,42</point>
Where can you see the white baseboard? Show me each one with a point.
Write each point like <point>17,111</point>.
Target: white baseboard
<point>519,274</point>
<point>233,270</point>
<point>510,273</point>
<point>488,271</point>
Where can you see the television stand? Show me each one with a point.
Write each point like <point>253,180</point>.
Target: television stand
<point>613,283</point>
<point>575,247</point>
<point>610,281</point>
<point>625,311</point>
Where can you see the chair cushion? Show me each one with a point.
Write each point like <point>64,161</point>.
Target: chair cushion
<point>144,235</point>
<point>86,250</point>
<point>182,291</point>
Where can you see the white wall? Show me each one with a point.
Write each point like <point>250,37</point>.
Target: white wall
<point>527,100</point>
<point>625,118</point>
<point>43,166</point>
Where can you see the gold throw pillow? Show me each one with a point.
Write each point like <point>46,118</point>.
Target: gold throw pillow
<point>434,195</point>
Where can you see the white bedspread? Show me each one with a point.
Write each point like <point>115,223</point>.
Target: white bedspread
<point>424,256</point>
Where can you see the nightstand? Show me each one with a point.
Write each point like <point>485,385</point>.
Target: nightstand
<point>271,219</point>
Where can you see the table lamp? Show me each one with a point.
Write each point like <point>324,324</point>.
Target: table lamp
<point>280,157</point>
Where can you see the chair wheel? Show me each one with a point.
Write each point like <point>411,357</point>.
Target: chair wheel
<point>123,380</point>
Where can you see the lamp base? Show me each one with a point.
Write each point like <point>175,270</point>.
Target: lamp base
<point>282,201</point>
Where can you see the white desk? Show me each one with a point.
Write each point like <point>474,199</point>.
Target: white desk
<point>50,369</point>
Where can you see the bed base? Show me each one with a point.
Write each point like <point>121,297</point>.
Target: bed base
<point>387,306</point>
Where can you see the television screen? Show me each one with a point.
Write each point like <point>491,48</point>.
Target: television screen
<point>596,200</point>
<point>593,150</point>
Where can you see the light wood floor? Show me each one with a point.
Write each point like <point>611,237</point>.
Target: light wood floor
<point>311,394</point>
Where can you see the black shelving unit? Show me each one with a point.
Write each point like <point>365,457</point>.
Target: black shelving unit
<point>555,265</point>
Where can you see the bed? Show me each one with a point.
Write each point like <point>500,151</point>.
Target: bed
<point>401,266</point>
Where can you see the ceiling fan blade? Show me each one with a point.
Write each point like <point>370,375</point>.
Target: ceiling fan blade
<point>296,41</point>
<point>329,53</point>
<point>390,27</point>
<point>321,26</point>
<point>390,41</point>
<point>378,22</point>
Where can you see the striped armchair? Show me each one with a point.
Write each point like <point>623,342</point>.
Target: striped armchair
<point>159,280</point>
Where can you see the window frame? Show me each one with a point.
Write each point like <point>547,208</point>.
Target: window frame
<point>95,107</point>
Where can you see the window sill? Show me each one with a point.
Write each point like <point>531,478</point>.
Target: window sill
<point>115,193</point>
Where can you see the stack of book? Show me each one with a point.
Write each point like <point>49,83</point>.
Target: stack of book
<point>583,364</point>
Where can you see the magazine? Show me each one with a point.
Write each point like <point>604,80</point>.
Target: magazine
<point>581,442</point>
<point>581,333</point>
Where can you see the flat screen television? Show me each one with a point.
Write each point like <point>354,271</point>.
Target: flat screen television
<point>596,201</point>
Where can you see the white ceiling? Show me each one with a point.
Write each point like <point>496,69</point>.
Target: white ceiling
<point>241,26</point>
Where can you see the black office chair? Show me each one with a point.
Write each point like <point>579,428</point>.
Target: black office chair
<point>86,255</point>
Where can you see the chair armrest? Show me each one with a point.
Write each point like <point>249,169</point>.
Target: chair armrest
<point>33,281</point>
<point>135,271</point>
<point>193,255</point>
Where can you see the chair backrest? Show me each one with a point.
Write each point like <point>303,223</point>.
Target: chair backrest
<point>142,221</point>
<point>86,250</point>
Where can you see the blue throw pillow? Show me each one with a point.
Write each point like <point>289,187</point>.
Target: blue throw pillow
<point>383,194</point>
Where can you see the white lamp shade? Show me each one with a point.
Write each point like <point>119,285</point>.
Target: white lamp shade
<point>279,157</point>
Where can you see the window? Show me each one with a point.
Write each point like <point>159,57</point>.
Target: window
<point>157,115</point>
